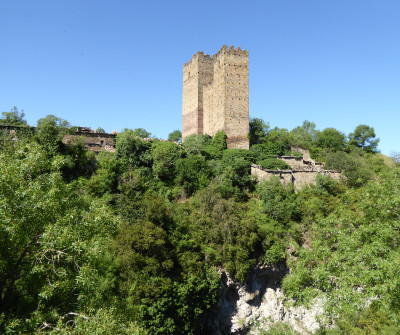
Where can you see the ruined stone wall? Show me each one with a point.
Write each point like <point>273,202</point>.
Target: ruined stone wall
<point>298,177</point>
<point>92,141</point>
<point>306,153</point>
<point>216,97</point>
<point>292,161</point>
<point>285,176</point>
<point>303,178</point>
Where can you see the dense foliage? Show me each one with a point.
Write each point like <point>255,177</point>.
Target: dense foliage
<point>130,243</point>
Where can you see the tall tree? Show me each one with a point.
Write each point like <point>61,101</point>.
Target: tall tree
<point>140,132</point>
<point>176,136</point>
<point>258,131</point>
<point>364,137</point>
<point>303,135</point>
<point>13,117</point>
<point>131,150</point>
<point>330,138</point>
<point>50,130</point>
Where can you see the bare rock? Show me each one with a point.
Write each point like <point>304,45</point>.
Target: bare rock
<point>260,300</point>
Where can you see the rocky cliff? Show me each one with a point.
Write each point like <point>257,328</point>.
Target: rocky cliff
<point>258,304</point>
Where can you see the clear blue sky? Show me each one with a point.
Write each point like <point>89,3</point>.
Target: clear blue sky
<point>118,64</point>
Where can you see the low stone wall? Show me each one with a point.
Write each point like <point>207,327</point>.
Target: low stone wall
<point>298,177</point>
<point>92,141</point>
<point>302,178</point>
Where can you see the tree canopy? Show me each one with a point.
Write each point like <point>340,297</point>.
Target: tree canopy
<point>258,130</point>
<point>364,137</point>
<point>131,242</point>
<point>13,118</point>
<point>176,136</point>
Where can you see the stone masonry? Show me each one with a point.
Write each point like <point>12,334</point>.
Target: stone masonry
<point>304,171</point>
<point>91,140</point>
<point>216,95</point>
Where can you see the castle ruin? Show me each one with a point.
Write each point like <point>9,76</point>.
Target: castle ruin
<point>216,95</point>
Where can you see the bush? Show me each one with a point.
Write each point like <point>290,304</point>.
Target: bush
<point>279,202</point>
<point>192,173</point>
<point>131,150</point>
<point>230,155</point>
<point>330,138</point>
<point>217,146</point>
<point>194,144</point>
<point>164,156</point>
<point>274,148</point>
<point>353,168</point>
<point>261,152</point>
<point>233,173</point>
<point>274,164</point>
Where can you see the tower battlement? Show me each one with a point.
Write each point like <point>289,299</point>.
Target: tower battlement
<point>225,50</point>
<point>216,95</point>
<point>200,56</point>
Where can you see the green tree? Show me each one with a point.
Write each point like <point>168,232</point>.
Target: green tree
<point>277,142</point>
<point>304,135</point>
<point>54,121</point>
<point>274,164</point>
<point>217,146</point>
<point>50,131</point>
<point>278,201</point>
<point>233,173</point>
<point>354,169</point>
<point>105,179</point>
<point>13,117</point>
<point>352,247</point>
<point>131,150</point>
<point>175,136</point>
<point>50,263</point>
<point>364,137</point>
<point>258,131</point>
<point>164,156</point>
<point>142,133</point>
<point>219,141</point>
<point>330,138</point>
<point>193,173</point>
<point>225,235</point>
<point>261,152</point>
<point>195,144</point>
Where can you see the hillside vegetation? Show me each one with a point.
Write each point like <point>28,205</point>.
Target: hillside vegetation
<point>130,243</point>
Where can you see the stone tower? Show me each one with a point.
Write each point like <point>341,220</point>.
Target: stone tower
<point>216,95</point>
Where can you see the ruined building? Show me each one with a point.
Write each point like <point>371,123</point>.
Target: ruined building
<point>303,170</point>
<point>216,95</point>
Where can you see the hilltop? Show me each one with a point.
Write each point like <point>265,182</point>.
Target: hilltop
<point>143,239</point>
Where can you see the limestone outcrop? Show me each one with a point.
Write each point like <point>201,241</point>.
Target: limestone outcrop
<point>260,300</point>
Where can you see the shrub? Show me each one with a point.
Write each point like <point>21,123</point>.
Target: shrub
<point>231,155</point>
<point>274,164</point>
<point>194,144</point>
<point>192,173</point>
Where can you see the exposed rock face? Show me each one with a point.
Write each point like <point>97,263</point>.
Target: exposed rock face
<point>260,300</point>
